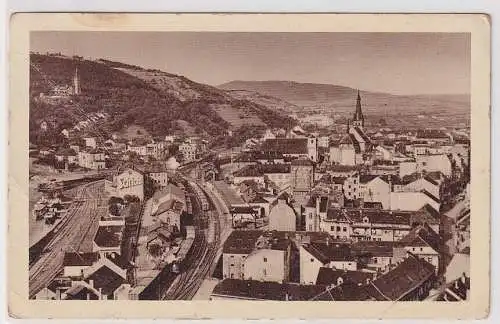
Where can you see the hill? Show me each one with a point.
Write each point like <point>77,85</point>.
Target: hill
<point>131,95</point>
<point>339,102</point>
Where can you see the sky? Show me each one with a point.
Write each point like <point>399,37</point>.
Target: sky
<point>397,63</point>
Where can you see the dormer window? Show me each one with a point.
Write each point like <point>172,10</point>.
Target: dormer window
<point>365,219</point>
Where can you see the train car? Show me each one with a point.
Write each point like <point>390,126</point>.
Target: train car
<point>184,249</point>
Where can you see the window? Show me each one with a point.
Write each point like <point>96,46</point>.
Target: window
<point>310,215</point>
<point>265,272</point>
<point>332,228</point>
<point>375,260</point>
<point>421,249</point>
<point>232,264</point>
<point>312,260</point>
<point>310,227</point>
<point>265,259</point>
<point>338,228</point>
<point>344,229</point>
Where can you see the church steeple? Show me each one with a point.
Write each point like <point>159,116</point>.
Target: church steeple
<point>358,119</point>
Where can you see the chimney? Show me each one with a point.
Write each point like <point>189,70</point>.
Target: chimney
<point>100,293</point>
<point>91,283</point>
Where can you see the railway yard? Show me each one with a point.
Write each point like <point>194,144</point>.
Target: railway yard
<point>75,232</point>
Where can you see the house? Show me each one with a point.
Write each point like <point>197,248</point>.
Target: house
<point>315,210</point>
<point>242,215</point>
<point>413,201</point>
<point>280,174</point>
<point>170,192</point>
<point>424,243</point>
<point>237,289</point>
<point>257,255</point>
<point>74,263</point>
<point>313,256</point>
<point>81,290</point>
<point>67,155</point>
<point>282,217</point>
<point>158,174</point>
<point>105,276</point>
<point>93,159</point>
<point>330,276</point>
<point>170,213</point>
<point>375,255</point>
<point>375,189</point>
<point>251,172</point>
<point>410,280</point>
<point>90,142</point>
<point>108,239</point>
<point>188,149</point>
<point>292,147</point>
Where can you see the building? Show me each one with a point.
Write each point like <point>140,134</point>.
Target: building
<point>314,256</point>
<point>424,243</point>
<point>257,255</point>
<point>128,182</point>
<point>90,142</point>
<point>353,147</point>
<point>108,239</point>
<point>293,147</point>
<point>237,289</point>
<point>302,178</point>
<point>282,217</point>
<point>170,192</point>
<point>376,189</point>
<point>377,256</point>
<point>330,276</point>
<point>188,149</point>
<point>315,210</point>
<point>158,174</point>
<point>93,159</point>
<point>410,280</point>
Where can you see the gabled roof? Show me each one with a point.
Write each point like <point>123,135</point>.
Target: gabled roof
<point>328,276</point>
<point>109,236</point>
<point>422,235</point>
<point>403,279</point>
<point>374,248</point>
<point>286,145</point>
<point>329,252</point>
<point>106,279</point>
<point>80,259</point>
<point>261,290</point>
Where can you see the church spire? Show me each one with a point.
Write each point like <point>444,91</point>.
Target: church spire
<point>358,119</point>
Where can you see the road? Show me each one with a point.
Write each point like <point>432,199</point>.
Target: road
<point>81,219</point>
<point>189,281</point>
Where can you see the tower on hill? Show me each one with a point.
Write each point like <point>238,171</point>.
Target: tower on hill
<point>76,82</point>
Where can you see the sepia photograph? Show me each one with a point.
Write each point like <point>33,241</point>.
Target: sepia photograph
<point>273,166</point>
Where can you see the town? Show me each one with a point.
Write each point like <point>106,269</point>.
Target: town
<point>353,213</point>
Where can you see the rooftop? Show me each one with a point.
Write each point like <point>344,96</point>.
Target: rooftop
<point>404,278</point>
<point>109,236</point>
<point>286,145</point>
<point>246,241</point>
<point>327,252</point>
<point>328,276</point>
<point>259,290</point>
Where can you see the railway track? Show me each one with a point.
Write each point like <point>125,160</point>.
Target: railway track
<point>201,269</point>
<point>68,237</point>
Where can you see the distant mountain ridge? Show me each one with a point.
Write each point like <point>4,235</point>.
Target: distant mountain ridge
<point>331,98</point>
<point>132,95</point>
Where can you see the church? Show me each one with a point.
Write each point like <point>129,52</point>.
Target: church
<point>353,147</point>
